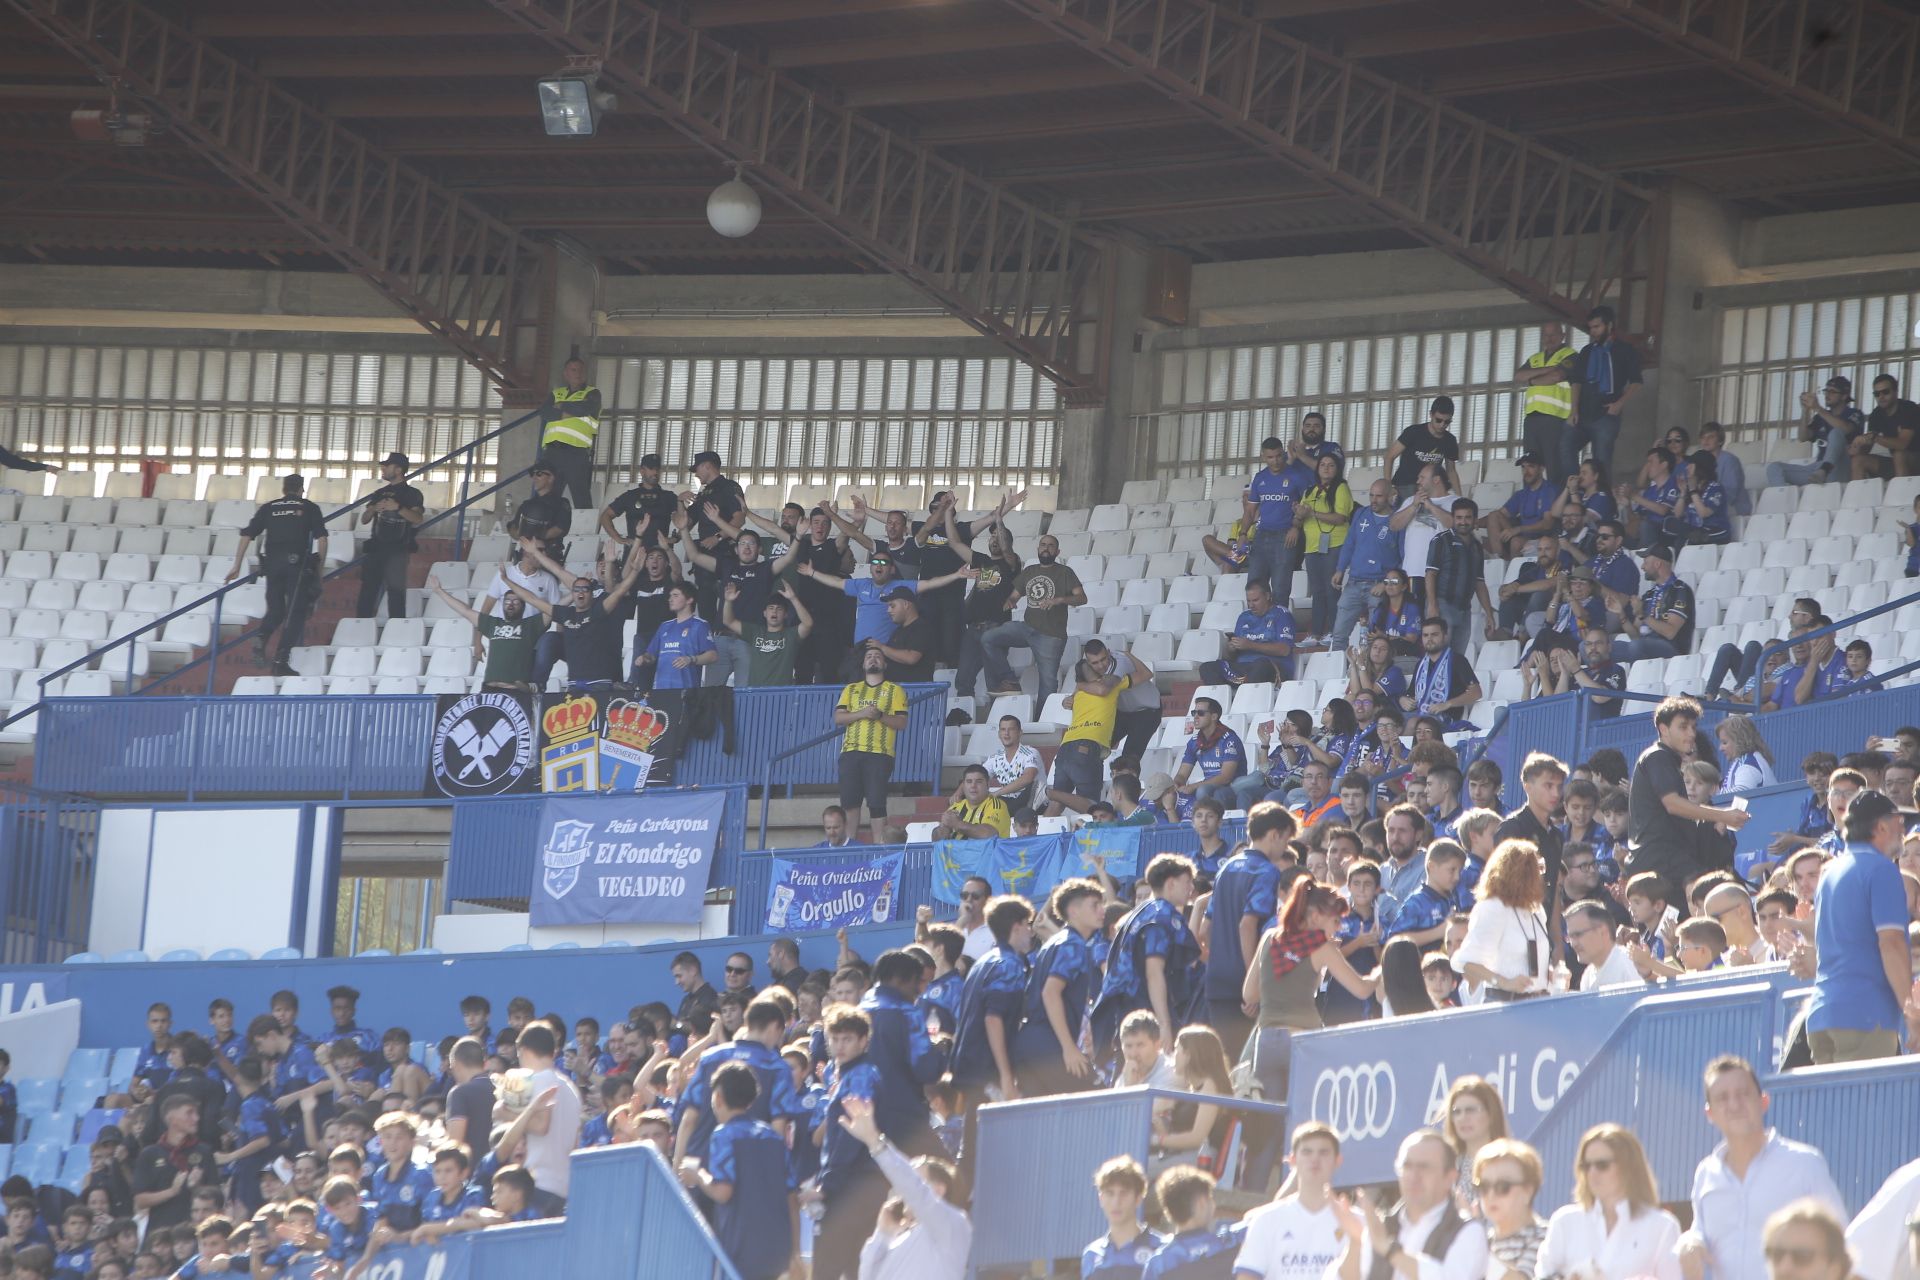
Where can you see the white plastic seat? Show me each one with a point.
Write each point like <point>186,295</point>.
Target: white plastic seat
<point>60,652</point>
<point>402,660</point>
<point>1065,521</point>
<point>1220,615</point>
<point>178,569</point>
<point>450,633</point>
<point>36,624</point>
<point>186,513</point>
<point>1124,619</point>
<point>1780,500</point>
<point>1150,542</point>
<point>1121,568</point>
<point>13,593</point>
<point>1810,524</point>
<point>1152,515</point>
<point>1832,550</point>
<point>1880,546</point>
<point>392,686</point>
<point>1743,555</point>
<point>1252,699</point>
<point>1785,553</point>
<point>1852,522</point>
<point>454,575</point>
<point>1496,655</point>
<point>1101,593</point>
<point>1187,590</point>
<point>1148,593</point>
<point>407,633</point>
<point>143,541</point>
<point>84,624</point>
<point>355,660</point>
<point>1108,518</point>
<point>1868,596</point>
<point>18,653</point>
<point>42,509</point>
<point>1856,572</point>
<point>1199,645</point>
<point>54,594</point>
<point>1186,489</point>
<point>1764,583</point>
<point>1136,492</point>
<point>254,686</point>
<point>1172,616</point>
<point>136,512</point>
<point>350,686</point>
<point>457,662</point>
<point>149,597</point>
<point>1745,609</point>
<point>30,566</point>
<point>1194,513</point>
<point>231,513</point>
<point>304,686</point>
<point>1694,559</point>
<point>188,542</point>
<point>1155,648</point>
<point>77,566</point>
<point>361,632</point>
<point>98,540</point>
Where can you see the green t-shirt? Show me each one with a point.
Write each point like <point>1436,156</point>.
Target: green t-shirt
<point>769,654</point>
<point>510,646</point>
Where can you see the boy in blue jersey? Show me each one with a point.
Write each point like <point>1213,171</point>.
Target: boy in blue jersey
<point>152,1065</point>
<point>1423,916</point>
<point>759,1050</point>
<point>1199,1248</point>
<point>74,1258</point>
<point>902,1053</point>
<point>1245,897</point>
<point>350,1219</point>
<point>989,1014</point>
<point>253,1136</point>
<point>399,1184</point>
<point>615,1092</point>
<point>803,1156</point>
<point>351,1077</point>
<point>344,1004</point>
<point>1046,1049</point>
<point>476,1014</point>
<point>851,1187</point>
<point>1122,1253</point>
<point>747,1178</point>
<point>229,1046</point>
<point>212,1234</point>
<point>1149,965</point>
<point>940,1002</point>
<point>449,1208</point>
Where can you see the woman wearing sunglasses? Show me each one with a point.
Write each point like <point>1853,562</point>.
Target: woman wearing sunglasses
<point>1506,1178</point>
<point>1615,1229</point>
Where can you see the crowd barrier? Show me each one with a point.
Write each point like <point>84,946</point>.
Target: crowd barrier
<point>627,1219</point>
<point>379,746</point>
<point>494,846</point>
<point>1036,1218</point>
<point>1838,725</point>
<point>49,858</point>
<point>420,991</point>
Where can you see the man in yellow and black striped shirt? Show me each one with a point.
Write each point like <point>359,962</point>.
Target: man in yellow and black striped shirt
<point>975,815</point>
<point>873,710</point>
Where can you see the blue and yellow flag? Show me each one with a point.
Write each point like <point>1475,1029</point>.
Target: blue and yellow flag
<point>1031,867</point>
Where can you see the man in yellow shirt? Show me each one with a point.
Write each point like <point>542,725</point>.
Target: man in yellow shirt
<point>873,711</point>
<point>975,815</point>
<point>1095,701</point>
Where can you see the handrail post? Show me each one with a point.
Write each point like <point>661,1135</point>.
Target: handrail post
<point>130,688</point>
<point>213,665</point>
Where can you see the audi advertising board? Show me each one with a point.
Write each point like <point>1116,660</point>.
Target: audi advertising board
<point>1375,1082</point>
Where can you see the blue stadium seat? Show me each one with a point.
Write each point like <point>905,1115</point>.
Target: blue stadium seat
<point>37,1097</point>
<point>616,944</point>
<point>518,946</point>
<point>281,953</point>
<point>375,951</point>
<point>85,957</point>
<point>120,1074</point>
<point>425,951</point>
<point>180,955</point>
<point>96,1120</point>
<point>78,1159</point>
<point>37,1161</point>
<point>84,1064</point>
<point>419,1051</point>
<point>56,1127</point>
<point>564,946</point>
<point>82,1094</point>
<point>135,956</point>
<point>74,1183</point>
<point>231,953</point>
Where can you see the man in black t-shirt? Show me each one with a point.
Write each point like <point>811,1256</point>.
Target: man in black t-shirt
<point>546,515</point>
<point>648,500</point>
<point>1432,441</point>
<point>1660,818</point>
<point>945,544</point>
<point>820,654</point>
<point>1658,622</point>
<point>394,510</point>
<point>1542,779</point>
<point>986,606</point>
<point>166,1173</point>
<point>470,1101</point>
<point>712,531</point>
<point>1893,424</point>
<point>291,558</point>
<point>909,653</point>
<point>588,627</point>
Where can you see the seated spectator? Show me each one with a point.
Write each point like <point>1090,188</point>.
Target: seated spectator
<point>1195,1130</point>
<point>1615,1228</point>
<point>1122,1252</point>
<point>1705,515</point>
<point>1749,762</point>
<point>976,815</point>
<point>833,826</point>
<point>1527,513</point>
<point>1397,615</point>
<point>1886,447</point>
<point>1141,1060</point>
<point>1278,766</point>
<point>1588,495</point>
<point>1559,671</point>
<point>1197,1241</point>
<point>1424,1222</point>
<point>1219,755</point>
<point>1648,512</point>
<point>1373,673</point>
<point>1525,601</point>
<point>1831,429</point>
<point>1659,622</point>
<point>1443,684</point>
<point>1831,674</point>
<point>1261,646</point>
<point>1731,472</point>
<point>1506,1178</point>
<point>1590,934</point>
<point>1229,555</point>
<point>1443,985</point>
<point>1808,1241</point>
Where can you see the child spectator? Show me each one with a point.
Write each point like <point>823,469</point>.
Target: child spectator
<point>615,1092</point>
<point>851,1186</point>
<point>1436,970</point>
<point>1186,1195</point>
<point>401,1072</point>
<point>1647,904</point>
<point>75,1257</point>
<point>1484,781</point>
<point>350,1218</point>
<point>251,1142</point>
<point>513,1194</point>
<point>746,1176</point>
<point>397,1185</point>
<point>211,1236</point>
<point>454,1197</point>
<point>35,1262</point>
<point>1122,1253</point>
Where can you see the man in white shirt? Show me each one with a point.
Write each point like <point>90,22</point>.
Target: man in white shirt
<point>1421,519</point>
<point>1732,906</point>
<point>1751,1175</point>
<point>1424,1237</point>
<point>1297,1237</point>
<point>1013,767</point>
<point>972,919</point>
<point>553,1131</point>
<point>1590,931</point>
<point>1141,1060</point>
<point>1878,1236</point>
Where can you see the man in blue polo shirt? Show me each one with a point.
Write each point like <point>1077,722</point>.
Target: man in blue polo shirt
<point>1312,444</point>
<point>1647,512</point>
<point>1372,547</point>
<point>1864,970</point>
<point>1216,752</point>
<point>1528,513</point>
<point>1245,896</point>
<point>1261,646</point>
<point>1269,510</point>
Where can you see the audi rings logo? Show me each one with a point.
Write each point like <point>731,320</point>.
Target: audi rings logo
<point>1356,1101</point>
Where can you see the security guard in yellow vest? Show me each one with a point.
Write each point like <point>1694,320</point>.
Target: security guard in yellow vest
<point>1549,403</point>
<point>572,420</point>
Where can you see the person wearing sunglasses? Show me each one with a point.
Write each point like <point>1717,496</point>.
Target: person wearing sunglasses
<point>1432,442</point>
<point>1606,374</point>
<point>1806,1241</point>
<point>1615,1228</point>
<point>1892,424</point>
<point>1506,1178</point>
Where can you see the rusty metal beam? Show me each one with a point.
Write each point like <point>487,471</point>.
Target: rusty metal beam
<point>1009,269</point>
<point>1557,232</point>
<point>1850,62</point>
<point>457,270</point>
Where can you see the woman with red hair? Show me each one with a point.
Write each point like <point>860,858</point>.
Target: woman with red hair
<point>1285,975</point>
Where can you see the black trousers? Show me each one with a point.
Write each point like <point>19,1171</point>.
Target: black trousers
<point>383,569</point>
<point>1135,729</point>
<point>817,658</point>
<point>945,608</point>
<point>573,472</point>
<point>289,601</point>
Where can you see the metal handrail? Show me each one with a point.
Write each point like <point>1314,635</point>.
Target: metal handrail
<point>766,776</point>
<point>218,594</point>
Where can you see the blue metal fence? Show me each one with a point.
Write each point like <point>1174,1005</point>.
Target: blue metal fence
<point>495,844</point>
<point>1864,1117</point>
<point>1838,725</point>
<point>768,721</point>
<point>512,1252</point>
<point>631,1217</point>
<point>49,849</point>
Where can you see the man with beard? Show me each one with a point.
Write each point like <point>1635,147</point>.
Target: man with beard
<point>648,508</point>
<point>1050,589</point>
<point>945,545</point>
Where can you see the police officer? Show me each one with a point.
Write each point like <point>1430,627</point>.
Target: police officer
<point>290,559</point>
<point>547,515</point>
<point>572,416</point>
<point>648,498</point>
<point>394,510</point>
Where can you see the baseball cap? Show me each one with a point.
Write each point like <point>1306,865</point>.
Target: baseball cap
<point>1582,573</point>
<point>395,459</point>
<point>706,455</point>
<point>540,464</point>
<point>1841,384</point>
<point>1529,459</point>
<point>649,462</point>
<point>1660,549</point>
<point>1153,786</point>
<point>900,593</point>
<point>1868,808</point>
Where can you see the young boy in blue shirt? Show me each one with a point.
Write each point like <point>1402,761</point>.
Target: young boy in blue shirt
<point>1199,1248</point>
<point>212,1233</point>
<point>75,1258</point>
<point>399,1185</point>
<point>1122,1253</point>
<point>454,1197</point>
<point>349,1221</point>
<point>255,1132</point>
<point>615,1092</point>
<point>747,1178</point>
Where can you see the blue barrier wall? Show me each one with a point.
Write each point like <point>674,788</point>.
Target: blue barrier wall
<point>377,745</point>
<point>1541,724</point>
<point>494,847</point>
<point>49,851</point>
<point>1840,725</point>
<point>419,992</point>
<point>508,1253</point>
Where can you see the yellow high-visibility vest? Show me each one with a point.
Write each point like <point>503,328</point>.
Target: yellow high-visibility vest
<point>577,431</point>
<point>1552,398</point>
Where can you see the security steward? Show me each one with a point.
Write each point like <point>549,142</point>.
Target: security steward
<point>394,510</point>
<point>290,560</point>
<point>546,517</point>
<point>573,420</point>
<point>1549,402</point>
<point>648,500</point>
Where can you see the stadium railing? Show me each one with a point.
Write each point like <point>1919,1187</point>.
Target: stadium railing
<point>464,458</point>
<point>49,853</point>
<point>816,759</point>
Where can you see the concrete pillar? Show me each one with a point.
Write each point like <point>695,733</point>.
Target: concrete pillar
<point>563,327</point>
<point>1096,441</point>
<point>1702,246</point>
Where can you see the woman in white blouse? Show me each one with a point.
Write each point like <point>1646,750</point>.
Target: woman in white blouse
<point>1615,1229</point>
<point>1508,949</point>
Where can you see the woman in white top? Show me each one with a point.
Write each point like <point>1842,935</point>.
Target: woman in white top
<point>1749,763</point>
<point>1615,1229</point>
<point>1508,948</point>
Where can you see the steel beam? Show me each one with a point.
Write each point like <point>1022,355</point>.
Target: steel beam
<point>1009,269</point>
<point>1851,62</point>
<point>1557,232</point>
<point>457,270</point>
